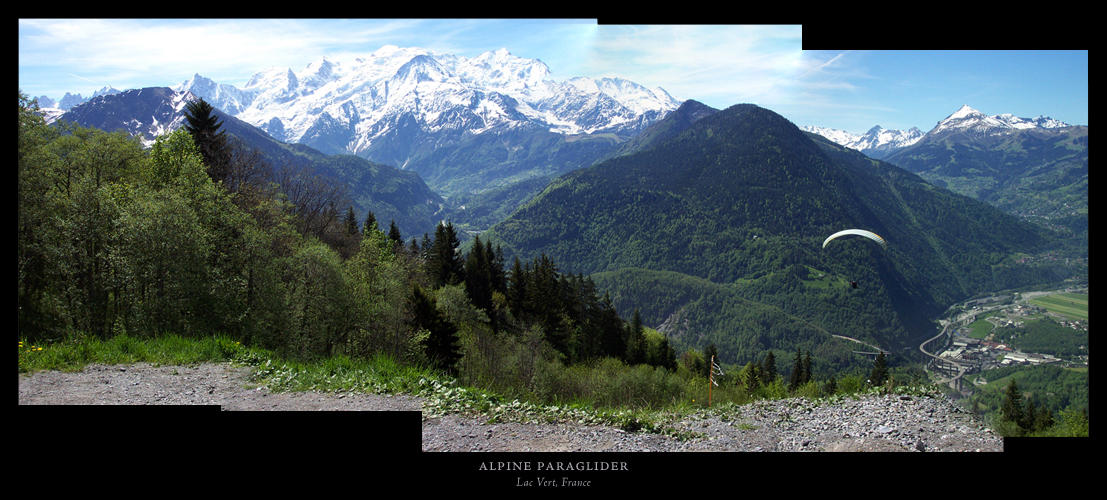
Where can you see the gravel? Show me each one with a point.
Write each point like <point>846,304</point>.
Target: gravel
<point>889,423</point>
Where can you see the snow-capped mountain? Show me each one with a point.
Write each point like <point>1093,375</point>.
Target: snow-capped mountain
<point>371,96</point>
<point>967,119</point>
<point>876,143</point>
<point>879,142</point>
<point>489,119</point>
<point>148,112</point>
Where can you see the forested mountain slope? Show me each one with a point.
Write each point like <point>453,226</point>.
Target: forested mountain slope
<point>732,212</point>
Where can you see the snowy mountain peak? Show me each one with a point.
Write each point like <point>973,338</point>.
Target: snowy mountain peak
<point>970,120</point>
<point>877,139</point>
<point>964,111</point>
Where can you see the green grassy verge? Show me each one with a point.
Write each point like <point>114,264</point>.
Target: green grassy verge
<point>379,375</point>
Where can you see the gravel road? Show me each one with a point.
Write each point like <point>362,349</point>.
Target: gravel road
<point>874,423</point>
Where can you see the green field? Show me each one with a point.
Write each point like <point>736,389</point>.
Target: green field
<point>1073,305</point>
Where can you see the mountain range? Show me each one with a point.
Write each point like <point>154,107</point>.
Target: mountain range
<point>437,113</point>
<point>706,220</point>
<point>879,142</point>
<point>465,125</point>
<point>713,231</point>
<point>1036,168</point>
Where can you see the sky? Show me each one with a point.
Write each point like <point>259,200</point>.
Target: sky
<point>718,65</point>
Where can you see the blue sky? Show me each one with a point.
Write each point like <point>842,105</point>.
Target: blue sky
<point>718,65</point>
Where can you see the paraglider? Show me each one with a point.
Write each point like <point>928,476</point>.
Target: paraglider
<point>858,232</point>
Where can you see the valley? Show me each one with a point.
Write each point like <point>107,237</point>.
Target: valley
<point>560,211</point>
<point>965,348</point>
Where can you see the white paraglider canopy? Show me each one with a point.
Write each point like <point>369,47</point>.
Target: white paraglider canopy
<point>859,232</point>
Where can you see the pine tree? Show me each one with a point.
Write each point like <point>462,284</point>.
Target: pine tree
<point>1012,409</point>
<point>370,223</point>
<point>441,345</point>
<point>636,341</point>
<point>517,290</point>
<point>394,234</point>
<point>880,371</point>
<point>807,368</point>
<point>666,356</point>
<point>796,378</point>
<point>202,124</point>
<point>478,277</point>
<point>1044,419</point>
<point>351,222</point>
<point>768,369</point>
<point>444,265</point>
<point>1029,416</point>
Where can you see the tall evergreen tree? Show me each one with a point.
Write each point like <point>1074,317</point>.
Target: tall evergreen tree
<point>796,379</point>
<point>444,265</point>
<point>517,290</point>
<point>666,356</point>
<point>879,374</point>
<point>394,234</point>
<point>351,222</point>
<point>370,223</point>
<point>1012,409</point>
<point>636,341</point>
<point>442,344</point>
<point>478,277</point>
<point>807,376</point>
<point>204,127</point>
<point>768,369</point>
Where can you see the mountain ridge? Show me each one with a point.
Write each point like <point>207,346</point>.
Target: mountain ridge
<point>742,199</point>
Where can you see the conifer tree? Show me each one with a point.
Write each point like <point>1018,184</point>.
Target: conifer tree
<point>478,277</point>
<point>394,234</point>
<point>1012,409</point>
<point>666,356</point>
<point>351,222</point>
<point>202,124</point>
<point>1029,416</point>
<point>1044,419</point>
<point>370,223</point>
<point>806,368</point>
<point>636,341</point>
<point>768,369</point>
<point>441,345</point>
<point>796,379</point>
<point>879,372</point>
<point>517,289</point>
<point>444,265</point>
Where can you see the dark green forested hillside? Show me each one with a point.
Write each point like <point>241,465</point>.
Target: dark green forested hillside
<point>391,194</point>
<point>1038,174</point>
<point>742,200</point>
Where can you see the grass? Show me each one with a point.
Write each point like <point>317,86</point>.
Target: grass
<point>1072,305</point>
